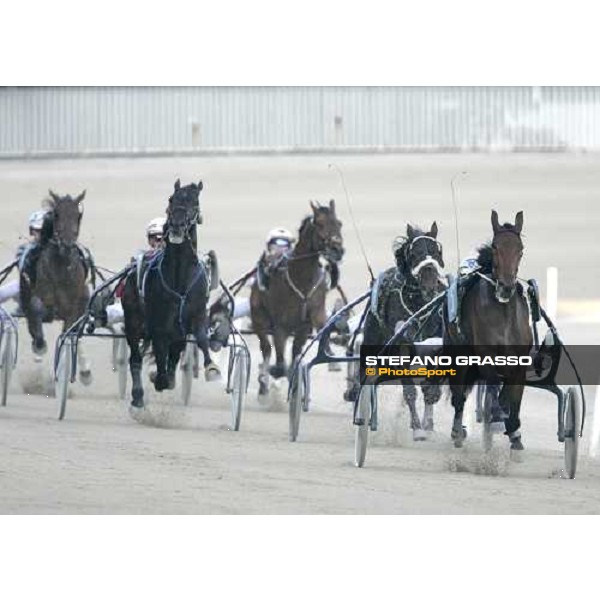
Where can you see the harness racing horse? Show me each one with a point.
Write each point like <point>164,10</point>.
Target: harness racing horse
<point>168,301</point>
<point>493,312</point>
<point>53,275</point>
<point>294,301</point>
<point>397,294</point>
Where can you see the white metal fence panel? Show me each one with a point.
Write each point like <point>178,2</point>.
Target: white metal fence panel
<point>38,121</point>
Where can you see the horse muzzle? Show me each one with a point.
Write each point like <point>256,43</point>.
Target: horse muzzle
<point>176,237</point>
<point>504,292</point>
<point>334,253</point>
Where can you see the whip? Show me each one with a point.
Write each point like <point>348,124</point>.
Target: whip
<point>461,174</point>
<point>349,203</point>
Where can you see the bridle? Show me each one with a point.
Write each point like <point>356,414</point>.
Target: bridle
<point>56,240</point>
<point>493,280</point>
<point>429,259</point>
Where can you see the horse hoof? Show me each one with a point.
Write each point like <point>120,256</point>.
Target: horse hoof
<point>516,444</point>
<point>419,435</point>
<point>85,377</point>
<point>39,347</point>
<point>161,382</point>
<point>212,372</point>
<point>459,436</point>
<point>263,388</point>
<point>277,371</point>
<point>171,384</point>
<point>137,403</point>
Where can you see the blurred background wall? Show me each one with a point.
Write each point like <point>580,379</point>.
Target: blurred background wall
<point>166,120</point>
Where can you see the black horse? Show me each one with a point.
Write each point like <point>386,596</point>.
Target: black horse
<point>493,313</point>
<point>170,301</point>
<point>398,293</point>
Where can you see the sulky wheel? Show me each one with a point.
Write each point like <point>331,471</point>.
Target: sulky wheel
<point>239,386</point>
<point>7,362</point>
<point>120,365</point>
<point>362,422</point>
<point>295,403</point>
<point>187,369</point>
<point>63,375</point>
<point>572,430</point>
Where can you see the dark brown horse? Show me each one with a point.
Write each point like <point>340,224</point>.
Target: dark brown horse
<point>494,313</point>
<point>53,274</point>
<point>294,302</point>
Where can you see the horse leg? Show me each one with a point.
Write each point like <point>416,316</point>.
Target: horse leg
<point>35,316</point>
<point>409,391</point>
<point>431,395</point>
<point>175,350</point>
<point>135,367</point>
<point>298,344</point>
<point>511,396</point>
<point>161,353</point>
<point>459,431</point>
<point>278,370</point>
<point>85,366</point>
<point>263,369</point>
<point>211,369</point>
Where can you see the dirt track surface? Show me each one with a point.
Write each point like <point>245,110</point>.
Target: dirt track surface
<point>100,460</point>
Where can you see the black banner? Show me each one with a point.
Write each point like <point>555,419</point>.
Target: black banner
<point>437,364</point>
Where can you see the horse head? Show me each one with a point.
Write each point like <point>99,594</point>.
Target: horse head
<point>66,213</point>
<point>327,231</point>
<point>183,212</point>
<point>507,251</point>
<point>419,257</point>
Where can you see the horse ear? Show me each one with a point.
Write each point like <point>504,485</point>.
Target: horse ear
<point>410,232</point>
<point>519,222</point>
<point>54,196</point>
<point>80,197</point>
<point>495,222</point>
<point>314,206</point>
<point>332,205</point>
<point>434,230</point>
<point>177,185</point>
<point>200,186</point>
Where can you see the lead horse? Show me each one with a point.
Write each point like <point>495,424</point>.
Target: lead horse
<point>294,302</point>
<point>494,313</point>
<point>167,303</point>
<point>53,275</point>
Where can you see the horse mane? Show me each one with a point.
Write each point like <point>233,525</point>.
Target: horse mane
<point>306,222</point>
<point>400,244</point>
<point>485,257</point>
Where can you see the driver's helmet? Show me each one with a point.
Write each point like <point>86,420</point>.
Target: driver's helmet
<point>280,238</point>
<point>468,265</point>
<point>156,227</point>
<point>36,220</point>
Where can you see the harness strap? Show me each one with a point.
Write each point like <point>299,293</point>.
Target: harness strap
<point>156,265</point>
<point>304,297</point>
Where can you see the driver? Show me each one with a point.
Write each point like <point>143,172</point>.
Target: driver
<point>113,313</point>
<point>25,253</point>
